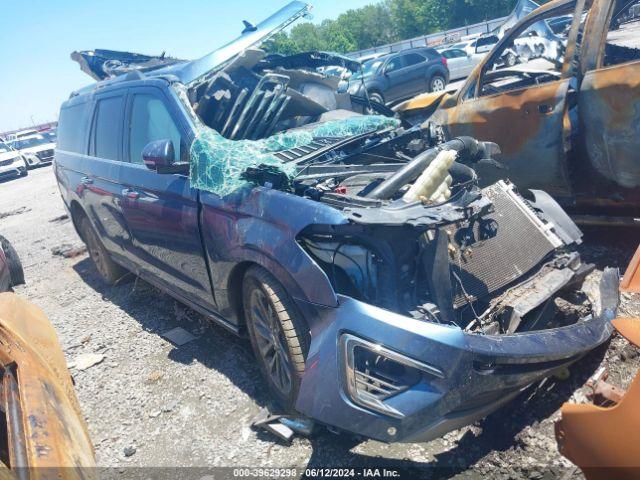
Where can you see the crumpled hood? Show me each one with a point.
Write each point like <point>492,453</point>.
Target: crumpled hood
<point>103,64</point>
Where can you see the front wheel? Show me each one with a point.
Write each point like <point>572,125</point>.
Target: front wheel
<point>376,97</point>
<point>437,83</point>
<point>510,60</point>
<point>279,335</point>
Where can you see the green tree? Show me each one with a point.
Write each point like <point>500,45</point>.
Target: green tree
<point>386,22</point>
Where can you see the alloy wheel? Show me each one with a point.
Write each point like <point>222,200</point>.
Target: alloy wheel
<point>270,341</point>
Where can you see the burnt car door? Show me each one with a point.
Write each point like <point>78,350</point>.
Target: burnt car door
<point>99,188</point>
<point>524,109</point>
<point>161,209</point>
<point>609,104</point>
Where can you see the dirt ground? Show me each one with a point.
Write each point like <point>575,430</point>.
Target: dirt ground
<point>149,403</point>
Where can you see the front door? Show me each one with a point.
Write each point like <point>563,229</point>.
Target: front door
<point>161,210</point>
<point>609,107</point>
<point>525,109</point>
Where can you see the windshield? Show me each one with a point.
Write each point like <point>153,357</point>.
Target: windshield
<point>30,142</point>
<point>4,148</point>
<point>369,68</point>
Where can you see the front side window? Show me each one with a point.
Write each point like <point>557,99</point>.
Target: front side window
<point>150,121</point>
<point>623,38</point>
<point>533,56</point>
<point>106,135</point>
<point>394,64</point>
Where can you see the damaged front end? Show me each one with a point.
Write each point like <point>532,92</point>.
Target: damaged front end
<point>452,298</point>
<point>430,301</point>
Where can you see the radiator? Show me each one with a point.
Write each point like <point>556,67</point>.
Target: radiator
<point>519,241</point>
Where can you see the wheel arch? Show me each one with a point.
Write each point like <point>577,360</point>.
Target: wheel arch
<point>77,212</point>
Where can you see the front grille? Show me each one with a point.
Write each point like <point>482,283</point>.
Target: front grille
<point>45,154</point>
<point>516,241</point>
<point>377,384</point>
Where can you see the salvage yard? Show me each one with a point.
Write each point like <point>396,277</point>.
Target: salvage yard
<point>150,403</point>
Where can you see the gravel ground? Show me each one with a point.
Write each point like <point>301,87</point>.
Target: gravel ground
<point>149,403</point>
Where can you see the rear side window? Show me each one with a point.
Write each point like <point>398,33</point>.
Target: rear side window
<point>106,134</point>
<point>150,120</point>
<point>431,54</point>
<point>72,129</point>
<point>413,59</point>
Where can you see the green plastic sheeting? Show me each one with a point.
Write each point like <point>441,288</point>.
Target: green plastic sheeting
<point>217,163</point>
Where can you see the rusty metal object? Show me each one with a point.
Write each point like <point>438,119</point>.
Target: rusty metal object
<point>45,426</point>
<point>605,442</point>
<point>603,393</point>
<point>631,280</point>
<point>629,328</point>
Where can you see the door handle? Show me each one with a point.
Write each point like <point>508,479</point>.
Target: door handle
<point>545,109</point>
<point>131,194</point>
<point>86,180</point>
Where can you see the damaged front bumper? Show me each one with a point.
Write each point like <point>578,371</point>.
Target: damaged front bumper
<point>435,378</point>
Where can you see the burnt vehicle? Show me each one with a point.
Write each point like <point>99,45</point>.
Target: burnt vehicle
<point>42,430</point>
<point>384,292</point>
<point>569,127</point>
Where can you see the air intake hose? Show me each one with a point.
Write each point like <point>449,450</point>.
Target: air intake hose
<point>469,150</point>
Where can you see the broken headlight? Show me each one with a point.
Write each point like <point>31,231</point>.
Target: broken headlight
<point>373,374</point>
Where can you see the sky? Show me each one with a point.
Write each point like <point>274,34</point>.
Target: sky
<point>37,37</point>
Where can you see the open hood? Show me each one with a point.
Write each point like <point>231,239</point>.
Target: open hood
<point>103,64</point>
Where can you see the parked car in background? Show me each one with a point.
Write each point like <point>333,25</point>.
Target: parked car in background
<point>383,291</point>
<point>22,133</point>
<point>569,127</point>
<point>12,164</point>
<point>36,149</point>
<point>401,75</point>
<point>459,62</point>
<point>50,135</point>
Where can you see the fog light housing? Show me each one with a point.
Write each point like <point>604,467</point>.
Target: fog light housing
<point>372,373</point>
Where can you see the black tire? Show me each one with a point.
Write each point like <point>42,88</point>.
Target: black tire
<point>279,335</point>
<point>109,270</point>
<point>13,261</point>
<point>510,60</point>
<point>437,83</point>
<point>24,173</point>
<point>376,97</point>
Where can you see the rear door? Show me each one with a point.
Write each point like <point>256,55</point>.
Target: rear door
<point>161,210</point>
<point>525,110</point>
<point>609,102</point>
<point>414,71</point>
<point>99,185</point>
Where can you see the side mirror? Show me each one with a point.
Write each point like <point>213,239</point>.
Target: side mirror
<point>158,154</point>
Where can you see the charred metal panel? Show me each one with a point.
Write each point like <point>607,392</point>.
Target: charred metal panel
<point>529,125</point>
<point>609,106</point>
